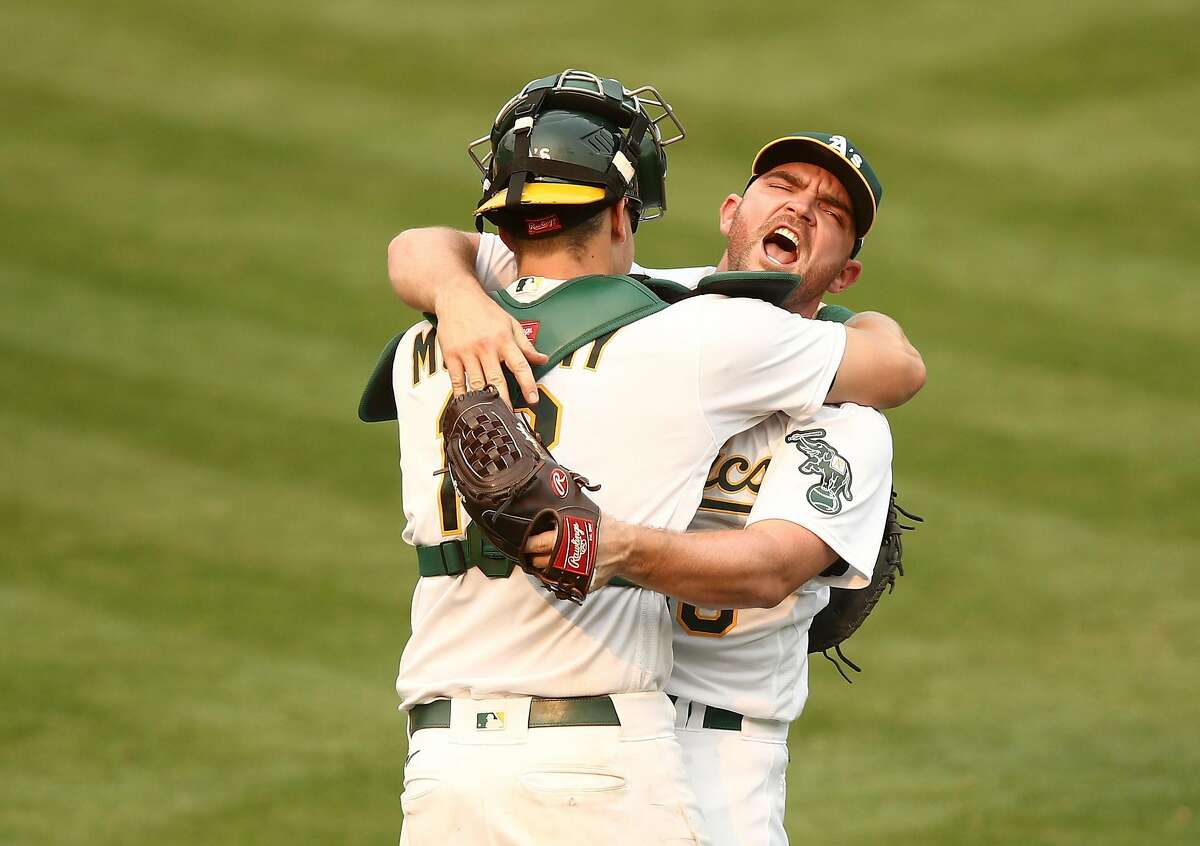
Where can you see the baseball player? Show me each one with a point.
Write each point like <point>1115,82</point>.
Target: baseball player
<point>532,719</point>
<point>740,673</point>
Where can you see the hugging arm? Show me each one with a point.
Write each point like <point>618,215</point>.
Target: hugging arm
<point>755,567</point>
<point>880,367</point>
<point>433,270</point>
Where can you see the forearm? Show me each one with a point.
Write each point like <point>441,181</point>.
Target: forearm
<point>428,267</point>
<point>893,372</point>
<point>756,567</point>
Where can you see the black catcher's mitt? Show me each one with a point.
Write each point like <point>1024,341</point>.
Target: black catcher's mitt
<point>848,609</point>
<point>513,488</point>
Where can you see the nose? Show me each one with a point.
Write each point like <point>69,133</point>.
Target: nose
<point>802,204</point>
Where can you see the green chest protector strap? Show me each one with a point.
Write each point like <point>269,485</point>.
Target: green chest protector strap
<point>566,318</point>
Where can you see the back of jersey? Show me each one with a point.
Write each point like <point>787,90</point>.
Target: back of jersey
<point>639,411</point>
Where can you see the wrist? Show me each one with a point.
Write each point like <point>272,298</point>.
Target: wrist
<point>451,289</point>
<point>615,556</point>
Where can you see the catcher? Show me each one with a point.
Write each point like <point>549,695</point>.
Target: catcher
<point>814,494</point>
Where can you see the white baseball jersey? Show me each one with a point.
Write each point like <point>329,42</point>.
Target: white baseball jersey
<point>755,661</point>
<point>642,411</point>
<point>831,475</point>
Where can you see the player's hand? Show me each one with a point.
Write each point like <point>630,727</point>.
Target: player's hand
<point>540,546</point>
<point>478,339</point>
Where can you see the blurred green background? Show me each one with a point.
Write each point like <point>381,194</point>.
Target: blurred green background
<point>204,590</point>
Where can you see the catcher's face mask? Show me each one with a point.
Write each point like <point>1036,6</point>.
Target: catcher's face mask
<point>575,139</point>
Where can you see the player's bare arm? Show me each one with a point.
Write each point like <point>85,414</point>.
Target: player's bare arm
<point>433,270</point>
<point>754,567</point>
<point>880,367</point>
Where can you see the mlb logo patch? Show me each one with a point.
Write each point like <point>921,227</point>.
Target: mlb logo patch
<point>489,720</point>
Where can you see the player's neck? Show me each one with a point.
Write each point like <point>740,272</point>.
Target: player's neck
<point>568,265</point>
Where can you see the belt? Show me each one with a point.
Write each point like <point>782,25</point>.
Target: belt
<point>718,718</point>
<point>543,713</point>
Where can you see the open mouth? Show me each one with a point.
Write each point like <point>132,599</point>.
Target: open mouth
<point>782,246</point>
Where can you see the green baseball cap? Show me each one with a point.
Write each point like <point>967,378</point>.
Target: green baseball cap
<point>837,155</point>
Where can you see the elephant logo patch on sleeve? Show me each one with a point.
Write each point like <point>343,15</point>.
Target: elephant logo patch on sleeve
<point>823,460</point>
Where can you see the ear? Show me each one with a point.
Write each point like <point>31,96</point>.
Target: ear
<point>506,239</point>
<point>846,278</point>
<point>728,212</point>
<point>621,230</point>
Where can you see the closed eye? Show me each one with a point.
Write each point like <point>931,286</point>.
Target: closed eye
<point>836,214</point>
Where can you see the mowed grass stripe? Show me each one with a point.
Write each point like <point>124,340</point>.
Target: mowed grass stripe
<point>174,727</point>
<point>128,494</point>
<point>257,369</point>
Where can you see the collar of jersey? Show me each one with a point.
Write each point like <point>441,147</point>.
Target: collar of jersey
<point>530,288</point>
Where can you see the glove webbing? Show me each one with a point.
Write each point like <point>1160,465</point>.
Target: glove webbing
<point>891,580</point>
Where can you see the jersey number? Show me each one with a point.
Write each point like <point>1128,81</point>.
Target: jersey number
<point>702,623</point>
<point>545,418</point>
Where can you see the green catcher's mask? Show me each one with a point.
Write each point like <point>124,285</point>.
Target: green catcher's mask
<point>570,145</point>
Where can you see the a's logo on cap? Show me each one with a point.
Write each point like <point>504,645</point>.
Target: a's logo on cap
<point>839,143</point>
<point>542,225</point>
<point>558,480</point>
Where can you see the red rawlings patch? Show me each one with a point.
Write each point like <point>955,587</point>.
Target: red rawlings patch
<point>542,225</point>
<point>577,551</point>
<point>531,329</point>
<point>559,481</point>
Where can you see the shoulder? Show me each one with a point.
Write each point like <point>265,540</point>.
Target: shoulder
<point>687,276</point>
<point>853,429</point>
<point>419,328</point>
<point>752,324</point>
<point>721,306</point>
<point>418,340</point>
<point>860,417</point>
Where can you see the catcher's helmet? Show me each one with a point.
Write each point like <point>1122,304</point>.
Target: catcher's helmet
<point>574,139</point>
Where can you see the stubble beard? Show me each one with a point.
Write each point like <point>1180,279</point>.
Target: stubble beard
<point>815,278</point>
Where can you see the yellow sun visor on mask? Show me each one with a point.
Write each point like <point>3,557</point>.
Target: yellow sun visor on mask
<point>547,194</point>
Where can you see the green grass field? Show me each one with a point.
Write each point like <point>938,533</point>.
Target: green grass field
<point>204,590</point>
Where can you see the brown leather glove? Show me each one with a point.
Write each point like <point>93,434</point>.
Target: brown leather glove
<point>849,609</point>
<point>512,487</point>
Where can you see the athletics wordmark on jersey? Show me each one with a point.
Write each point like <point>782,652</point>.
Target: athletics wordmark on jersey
<point>733,483</point>
<point>822,459</point>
